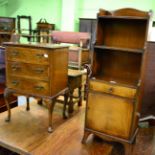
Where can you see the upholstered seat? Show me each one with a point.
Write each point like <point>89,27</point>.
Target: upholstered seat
<point>79,46</point>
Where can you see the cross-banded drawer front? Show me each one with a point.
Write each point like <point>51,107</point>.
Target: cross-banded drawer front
<point>34,71</point>
<point>27,55</point>
<point>26,85</point>
<point>113,89</point>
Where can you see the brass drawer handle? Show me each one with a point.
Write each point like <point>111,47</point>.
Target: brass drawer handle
<point>15,83</point>
<point>39,70</point>
<point>15,53</point>
<point>110,90</point>
<point>14,68</point>
<point>39,87</point>
<point>38,55</point>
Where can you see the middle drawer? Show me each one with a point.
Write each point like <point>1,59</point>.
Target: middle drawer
<point>28,70</point>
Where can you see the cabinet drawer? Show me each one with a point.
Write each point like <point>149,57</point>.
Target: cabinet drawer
<point>26,85</point>
<point>33,71</point>
<point>113,89</point>
<point>27,55</point>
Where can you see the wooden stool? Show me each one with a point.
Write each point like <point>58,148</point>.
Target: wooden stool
<point>75,82</point>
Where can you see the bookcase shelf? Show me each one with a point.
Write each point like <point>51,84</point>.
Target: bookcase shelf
<point>106,48</point>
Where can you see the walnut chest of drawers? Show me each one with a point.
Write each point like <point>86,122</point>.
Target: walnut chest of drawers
<point>38,70</point>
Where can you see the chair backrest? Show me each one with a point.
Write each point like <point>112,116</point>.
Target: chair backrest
<point>80,38</point>
<point>29,26</point>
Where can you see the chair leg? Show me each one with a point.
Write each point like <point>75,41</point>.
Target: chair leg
<point>80,96</point>
<point>65,104</point>
<point>40,101</point>
<point>71,104</point>
<point>27,104</point>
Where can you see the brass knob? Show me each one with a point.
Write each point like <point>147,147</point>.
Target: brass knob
<point>110,90</point>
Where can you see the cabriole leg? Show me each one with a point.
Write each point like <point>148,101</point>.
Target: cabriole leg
<point>7,94</point>
<point>51,104</point>
<point>85,136</point>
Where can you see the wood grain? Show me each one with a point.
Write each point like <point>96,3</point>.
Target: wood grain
<point>24,137</point>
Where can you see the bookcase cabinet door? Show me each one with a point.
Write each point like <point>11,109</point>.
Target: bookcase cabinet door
<point>109,114</point>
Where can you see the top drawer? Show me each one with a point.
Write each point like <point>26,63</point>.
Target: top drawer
<point>27,55</point>
<point>113,89</point>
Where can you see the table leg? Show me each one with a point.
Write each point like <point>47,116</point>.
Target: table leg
<point>65,104</point>
<point>7,94</point>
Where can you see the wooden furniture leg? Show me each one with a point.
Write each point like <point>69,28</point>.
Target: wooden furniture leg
<point>27,104</point>
<point>40,101</point>
<point>80,96</point>
<point>65,104</point>
<point>85,136</point>
<point>7,94</point>
<point>128,148</point>
<point>51,104</point>
<point>71,104</point>
<point>85,93</point>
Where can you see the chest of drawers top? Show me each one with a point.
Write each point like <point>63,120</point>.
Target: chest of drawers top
<point>31,53</point>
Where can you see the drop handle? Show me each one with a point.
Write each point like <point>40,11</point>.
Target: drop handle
<point>39,70</point>
<point>14,68</point>
<point>15,83</point>
<point>38,55</point>
<point>39,87</point>
<point>15,53</point>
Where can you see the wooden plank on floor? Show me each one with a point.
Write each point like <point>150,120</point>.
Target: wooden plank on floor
<point>27,132</point>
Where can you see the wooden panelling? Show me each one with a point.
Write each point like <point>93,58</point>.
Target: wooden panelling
<point>113,113</point>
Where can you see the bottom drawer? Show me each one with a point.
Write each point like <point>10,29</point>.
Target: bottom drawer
<point>28,86</point>
<point>109,114</point>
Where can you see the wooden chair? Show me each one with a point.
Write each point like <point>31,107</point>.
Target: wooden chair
<point>29,27</point>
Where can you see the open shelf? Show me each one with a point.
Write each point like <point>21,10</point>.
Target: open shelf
<point>120,33</point>
<point>119,49</point>
<point>121,67</point>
